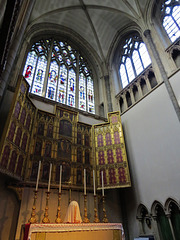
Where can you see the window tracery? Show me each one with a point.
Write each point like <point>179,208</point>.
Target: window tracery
<point>170,10</point>
<point>134,59</point>
<point>56,71</point>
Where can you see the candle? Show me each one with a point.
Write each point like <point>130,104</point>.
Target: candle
<point>84,181</point>
<point>49,177</point>
<point>102,183</point>
<point>94,183</point>
<point>39,168</point>
<point>60,176</point>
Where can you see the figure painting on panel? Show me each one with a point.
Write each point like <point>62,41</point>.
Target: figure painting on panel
<point>38,148</point>
<point>48,150</point>
<point>45,174</point>
<point>79,176</point>
<point>50,131</point>
<point>66,172</point>
<point>34,170</point>
<point>41,128</point>
<point>65,128</point>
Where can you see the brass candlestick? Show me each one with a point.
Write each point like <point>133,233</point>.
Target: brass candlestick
<point>96,219</point>
<point>33,213</point>
<point>105,220</point>
<point>86,220</point>
<point>46,218</point>
<point>58,219</point>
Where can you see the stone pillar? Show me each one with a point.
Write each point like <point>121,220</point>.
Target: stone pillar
<point>156,230</point>
<point>139,90</point>
<point>108,92</point>
<point>124,101</point>
<point>132,95</point>
<point>170,91</point>
<point>170,223</point>
<point>141,230</point>
<point>148,84</point>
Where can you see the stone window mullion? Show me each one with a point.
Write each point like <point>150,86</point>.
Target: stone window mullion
<point>47,70</point>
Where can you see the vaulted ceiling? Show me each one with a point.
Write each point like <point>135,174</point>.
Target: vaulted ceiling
<point>96,21</point>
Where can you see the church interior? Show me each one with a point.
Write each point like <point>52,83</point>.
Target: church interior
<point>89,119</point>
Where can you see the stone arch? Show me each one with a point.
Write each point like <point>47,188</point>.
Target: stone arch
<point>46,30</point>
<point>168,203</point>
<point>141,210</point>
<point>154,207</point>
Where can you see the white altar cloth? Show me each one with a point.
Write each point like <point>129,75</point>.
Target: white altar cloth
<point>50,228</point>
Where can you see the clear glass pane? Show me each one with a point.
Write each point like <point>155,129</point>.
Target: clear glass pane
<point>82,92</point>
<point>52,81</point>
<point>29,68</point>
<point>123,76</point>
<point>171,28</point>
<point>71,88</point>
<point>129,68</point>
<point>61,94</point>
<point>137,62</point>
<point>90,95</point>
<point>144,55</point>
<point>39,76</point>
<point>176,14</point>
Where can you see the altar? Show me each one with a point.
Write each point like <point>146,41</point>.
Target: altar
<point>89,231</point>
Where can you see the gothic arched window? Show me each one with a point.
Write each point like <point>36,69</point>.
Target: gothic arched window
<point>171,18</point>
<point>134,59</point>
<point>56,71</point>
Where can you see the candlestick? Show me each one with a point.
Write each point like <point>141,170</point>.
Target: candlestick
<point>102,183</point>
<point>49,177</point>
<point>39,168</point>
<point>60,176</point>
<point>94,183</point>
<point>33,213</point>
<point>86,220</point>
<point>46,216</point>
<point>105,220</point>
<point>58,218</point>
<point>96,219</point>
<point>84,181</point>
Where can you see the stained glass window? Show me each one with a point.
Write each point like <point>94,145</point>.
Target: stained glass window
<point>61,95</point>
<point>82,92</point>
<point>39,76</point>
<point>171,18</point>
<point>57,71</point>
<point>52,81</point>
<point>134,59</point>
<point>30,67</point>
<point>71,88</point>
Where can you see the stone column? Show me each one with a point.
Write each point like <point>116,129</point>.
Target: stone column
<point>156,230</point>
<point>132,96</point>
<point>170,91</point>
<point>148,84</point>
<point>170,223</point>
<point>141,230</point>
<point>139,90</point>
<point>108,92</point>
